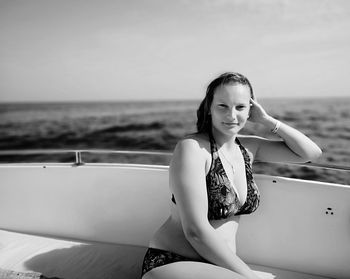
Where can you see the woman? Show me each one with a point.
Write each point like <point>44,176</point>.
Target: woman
<point>211,180</point>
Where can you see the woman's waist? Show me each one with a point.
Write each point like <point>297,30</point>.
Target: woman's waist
<point>170,237</point>
<point>176,245</point>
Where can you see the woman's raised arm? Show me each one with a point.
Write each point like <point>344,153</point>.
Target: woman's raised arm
<point>294,146</point>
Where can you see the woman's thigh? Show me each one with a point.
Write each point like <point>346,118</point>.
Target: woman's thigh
<point>190,270</point>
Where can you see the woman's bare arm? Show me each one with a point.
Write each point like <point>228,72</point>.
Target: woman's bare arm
<point>294,146</point>
<point>187,181</point>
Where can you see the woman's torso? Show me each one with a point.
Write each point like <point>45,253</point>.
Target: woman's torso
<point>170,235</point>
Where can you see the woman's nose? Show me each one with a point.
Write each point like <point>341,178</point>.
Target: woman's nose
<point>232,114</point>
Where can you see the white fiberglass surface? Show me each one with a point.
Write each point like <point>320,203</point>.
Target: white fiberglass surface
<point>300,225</point>
<point>72,259</point>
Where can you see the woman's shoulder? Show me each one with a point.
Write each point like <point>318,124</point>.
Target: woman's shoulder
<point>192,152</point>
<point>194,143</point>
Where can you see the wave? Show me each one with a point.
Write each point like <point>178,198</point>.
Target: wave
<point>131,127</point>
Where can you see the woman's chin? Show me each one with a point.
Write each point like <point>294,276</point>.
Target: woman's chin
<point>230,131</point>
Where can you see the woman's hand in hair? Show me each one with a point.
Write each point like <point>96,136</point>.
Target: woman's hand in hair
<point>257,113</point>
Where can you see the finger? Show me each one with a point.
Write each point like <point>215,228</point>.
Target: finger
<point>253,101</point>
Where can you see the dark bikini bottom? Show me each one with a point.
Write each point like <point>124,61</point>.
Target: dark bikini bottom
<point>158,257</point>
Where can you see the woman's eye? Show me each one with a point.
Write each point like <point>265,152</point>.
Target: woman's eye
<point>241,107</point>
<point>222,106</point>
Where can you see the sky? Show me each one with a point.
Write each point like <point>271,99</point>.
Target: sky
<point>84,50</point>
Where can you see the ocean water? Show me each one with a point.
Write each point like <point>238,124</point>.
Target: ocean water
<point>159,125</point>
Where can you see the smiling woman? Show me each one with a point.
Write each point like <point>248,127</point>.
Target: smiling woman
<point>241,86</point>
<point>230,108</point>
<point>211,179</point>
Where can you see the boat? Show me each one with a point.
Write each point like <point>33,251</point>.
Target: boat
<point>94,220</point>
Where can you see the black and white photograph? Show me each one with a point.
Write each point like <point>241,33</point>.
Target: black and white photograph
<point>174,139</point>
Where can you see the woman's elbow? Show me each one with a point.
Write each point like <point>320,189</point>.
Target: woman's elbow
<point>314,154</point>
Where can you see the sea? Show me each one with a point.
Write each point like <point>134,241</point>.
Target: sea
<point>158,125</point>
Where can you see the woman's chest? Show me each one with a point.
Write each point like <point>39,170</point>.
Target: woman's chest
<point>227,181</point>
<point>235,177</point>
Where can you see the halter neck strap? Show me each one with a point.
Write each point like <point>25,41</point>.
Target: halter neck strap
<point>213,144</point>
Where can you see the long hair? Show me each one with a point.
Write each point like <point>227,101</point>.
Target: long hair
<point>203,112</point>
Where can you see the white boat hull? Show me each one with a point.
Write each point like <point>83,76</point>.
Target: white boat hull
<point>301,226</point>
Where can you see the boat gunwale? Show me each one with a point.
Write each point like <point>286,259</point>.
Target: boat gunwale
<point>79,152</point>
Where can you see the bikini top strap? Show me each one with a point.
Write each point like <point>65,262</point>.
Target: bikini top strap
<point>247,160</point>
<point>243,150</point>
<point>213,146</point>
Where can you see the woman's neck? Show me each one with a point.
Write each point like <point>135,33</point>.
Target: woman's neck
<point>224,141</point>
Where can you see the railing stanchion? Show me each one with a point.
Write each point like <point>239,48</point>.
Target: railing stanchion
<point>78,160</point>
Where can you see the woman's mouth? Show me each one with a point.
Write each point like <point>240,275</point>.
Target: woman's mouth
<point>230,124</point>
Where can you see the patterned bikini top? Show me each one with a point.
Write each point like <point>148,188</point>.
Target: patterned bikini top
<point>223,200</point>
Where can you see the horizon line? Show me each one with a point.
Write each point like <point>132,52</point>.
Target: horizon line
<point>160,100</point>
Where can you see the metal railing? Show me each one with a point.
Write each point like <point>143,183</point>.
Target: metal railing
<point>79,156</point>
<point>79,153</point>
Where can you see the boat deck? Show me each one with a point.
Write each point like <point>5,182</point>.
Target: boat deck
<point>31,256</point>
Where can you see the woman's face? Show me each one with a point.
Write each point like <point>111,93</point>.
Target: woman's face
<point>230,108</point>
